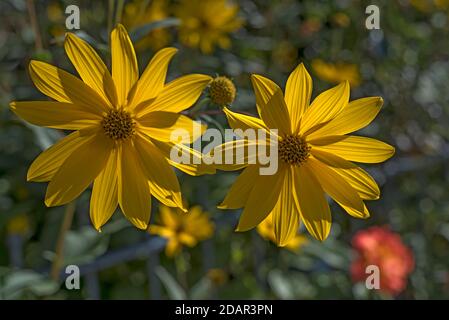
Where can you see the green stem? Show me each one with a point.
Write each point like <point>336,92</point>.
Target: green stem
<point>182,265</point>
<point>110,16</point>
<point>35,25</point>
<point>119,11</point>
<point>193,112</point>
<point>59,251</point>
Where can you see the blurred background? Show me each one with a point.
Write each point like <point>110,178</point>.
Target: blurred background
<point>406,62</point>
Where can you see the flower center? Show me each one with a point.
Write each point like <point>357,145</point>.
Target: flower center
<point>222,91</point>
<point>118,124</point>
<point>293,150</point>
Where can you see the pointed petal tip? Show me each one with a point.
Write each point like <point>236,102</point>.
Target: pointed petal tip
<point>120,27</point>
<point>140,224</point>
<point>321,237</point>
<point>68,36</point>
<point>30,177</point>
<point>97,227</point>
<point>380,102</point>
<point>301,66</point>
<point>49,203</point>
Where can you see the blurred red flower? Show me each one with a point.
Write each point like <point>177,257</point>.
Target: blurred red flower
<point>381,247</point>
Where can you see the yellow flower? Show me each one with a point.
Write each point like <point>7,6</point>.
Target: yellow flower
<point>285,55</point>
<point>138,13</point>
<point>341,19</point>
<point>217,276</point>
<point>56,18</point>
<point>222,91</point>
<point>182,229</point>
<point>19,224</point>
<point>122,127</point>
<point>266,230</point>
<point>207,23</point>
<point>315,157</point>
<point>336,73</point>
<point>54,12</point>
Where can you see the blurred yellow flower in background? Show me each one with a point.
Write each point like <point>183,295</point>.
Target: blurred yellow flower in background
<point>341,19</point>
<point>315,157</point>
<point>218,276</point>
<point>207,23</point>
<point>430,6</point>
<point>285,55</point>
<point>337,72</point>
<point>266,231</point>
<point>182,229</point>
<point>56,18</point>
<point>122,129</point>
<point>19,224</point>
<point>140,12</point>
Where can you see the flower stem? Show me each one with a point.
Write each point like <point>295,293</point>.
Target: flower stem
<point>119,10</point>
<point>194,111</point>
<point>59,251</point>
<point>110,16</point>
<point>34,25</point>
<point>181,265</point>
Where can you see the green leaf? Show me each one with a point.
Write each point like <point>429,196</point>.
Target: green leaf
<point>18,282</point>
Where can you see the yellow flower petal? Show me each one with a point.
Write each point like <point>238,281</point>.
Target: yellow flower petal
<point>265,90</point>
<point>195,167</point>
<point>239,192</point>
<point>354,148</point>
<point>364,214</point>
<point>243,152</point>
<point>152,80</point>
<point>285,212</point>
<point>64,87</point>
<point>161,231</point>
<point>315,212</point>
<point>91,68</point>
<point>134,194</point>
<point>335,185</point>
<point>296,243</point>
<point>187,239</point>
<point>242,121</point>
<point>58,115</point>
<point>272,109</point>
<point>358,178</point>
<point>173,247</point>
<point>297,94</point>
<point>161,125</point>
<point>48,162</point>
<point>177,95</point>
<point>325,107</point>
<point>78,171</point>
<point>262,199</point>
<point>125,71</point>
<point>104,198</point>
<point>162,177</point>
<point>168,217</point>
<point>358,114</point>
